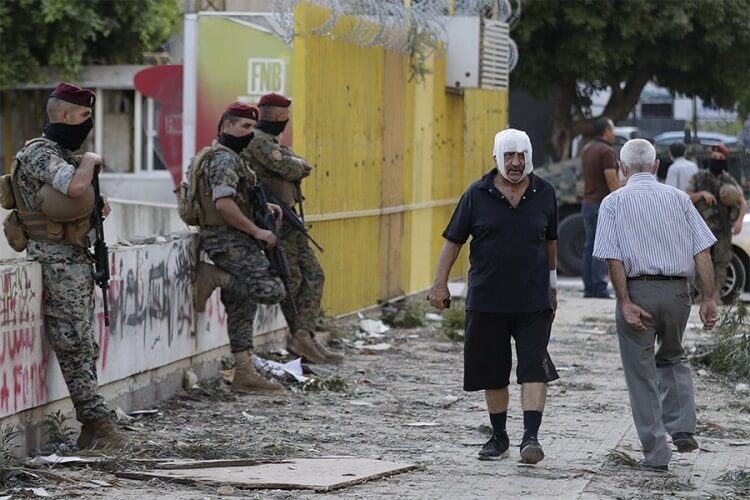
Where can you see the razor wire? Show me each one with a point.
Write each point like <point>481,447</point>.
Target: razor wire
<point>389,23</point>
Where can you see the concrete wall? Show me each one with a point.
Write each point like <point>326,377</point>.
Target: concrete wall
<point>153,336</point>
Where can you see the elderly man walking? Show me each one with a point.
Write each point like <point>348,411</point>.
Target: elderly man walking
<point>652,238</point>
<point>511,216</point>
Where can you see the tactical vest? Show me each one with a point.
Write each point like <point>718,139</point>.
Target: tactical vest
<point>195,199</point>
<point>718,216</point>
<point>60,218</point>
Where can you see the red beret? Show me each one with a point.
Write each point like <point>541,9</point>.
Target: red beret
<point>243,110</point>
<point>721,148</point>
<point>274,99</point>
<point>74,94</point>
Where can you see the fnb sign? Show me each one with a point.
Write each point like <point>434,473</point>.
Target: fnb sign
<point>265,76</point>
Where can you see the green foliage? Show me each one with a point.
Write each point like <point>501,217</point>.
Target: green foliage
<point>56,427</point>
<point>453,323</point>
<point>405,315</point>
<point>8,449</point>
<point>421,46</point>
<point>68,34</point>
<point>335,384</point>
<point>730,352</point>
<point>573,48</point>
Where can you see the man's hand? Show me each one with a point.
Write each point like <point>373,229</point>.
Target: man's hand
<point>553,299</point>
<point>737,226</point>
<point>106,208</point>
<point>94,158</point>
<point>266,237</point>
<point>634,316</point>
<point>439,295</point>
<point>708,198</point>
<point>709,313</point>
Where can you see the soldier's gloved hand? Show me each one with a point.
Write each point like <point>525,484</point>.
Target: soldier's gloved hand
<point>266,237</point>
<point>708,198</point>
<point>276,211</point>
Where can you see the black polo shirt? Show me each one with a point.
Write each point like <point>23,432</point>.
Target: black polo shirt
<point>509,262</point>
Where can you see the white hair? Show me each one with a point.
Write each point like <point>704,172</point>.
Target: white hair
<point>638,155</point>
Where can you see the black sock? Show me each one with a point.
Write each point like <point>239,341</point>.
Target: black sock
<point>498,422</point>
<point>531,422</point>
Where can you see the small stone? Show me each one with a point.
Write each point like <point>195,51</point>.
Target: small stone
<point>225,490</point>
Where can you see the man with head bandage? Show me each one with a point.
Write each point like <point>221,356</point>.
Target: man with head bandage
<point>511,216</point>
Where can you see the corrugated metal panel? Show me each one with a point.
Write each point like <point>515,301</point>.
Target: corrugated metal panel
<point>390,158</point>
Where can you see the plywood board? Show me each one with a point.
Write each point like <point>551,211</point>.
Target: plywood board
<point>319,474</point>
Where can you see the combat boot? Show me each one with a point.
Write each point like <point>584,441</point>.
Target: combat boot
<point>303,345</point>
<point>331,357</point>
<point>84,440</point>
<point>207,279</point>
<point>101,433</point>
<point>248,380</point>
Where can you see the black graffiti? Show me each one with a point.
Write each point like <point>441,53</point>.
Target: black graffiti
<point>143,300</point>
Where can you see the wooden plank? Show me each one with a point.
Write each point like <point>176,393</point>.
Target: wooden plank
<point>318,474</point>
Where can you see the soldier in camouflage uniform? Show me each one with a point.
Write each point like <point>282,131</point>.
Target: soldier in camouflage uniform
<point>67,273</point>
<point>282,172</point>
<point>723,220</point>
<point>235,244</point>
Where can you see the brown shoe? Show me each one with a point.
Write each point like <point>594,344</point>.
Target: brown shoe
<point>102,433</point>
<point>248,380</point>
<point>207,279</point>
<point>303,345</point>
<point>331,357</point>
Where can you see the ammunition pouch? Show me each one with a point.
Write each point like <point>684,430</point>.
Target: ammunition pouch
<point>7,200</point>
<point>14,232</point>
<point>284,190</point>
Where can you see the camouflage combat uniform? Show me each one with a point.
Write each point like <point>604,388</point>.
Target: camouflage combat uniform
<point>282,171</point>
<point>719,219</point>
<point>236,252</point>
<point>68,282</point>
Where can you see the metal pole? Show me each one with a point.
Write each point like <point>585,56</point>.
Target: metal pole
<point>189,90</point>
<point>695,119</point>
<point>138,132</point>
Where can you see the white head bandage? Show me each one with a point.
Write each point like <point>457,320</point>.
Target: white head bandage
<point>512,141</point>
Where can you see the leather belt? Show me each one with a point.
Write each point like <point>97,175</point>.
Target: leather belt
<point>655,277</point>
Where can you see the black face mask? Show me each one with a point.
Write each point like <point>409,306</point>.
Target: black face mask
<point>273,128</point>
<point>717,166</point>
<point>70,137</point>
<point>235,143</point>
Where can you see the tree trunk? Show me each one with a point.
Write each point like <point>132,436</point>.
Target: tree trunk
<point>569,119</point>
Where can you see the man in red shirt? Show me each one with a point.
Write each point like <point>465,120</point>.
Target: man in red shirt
<point>599,179</point>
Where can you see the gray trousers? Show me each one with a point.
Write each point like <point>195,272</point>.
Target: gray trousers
<point>659,380</point>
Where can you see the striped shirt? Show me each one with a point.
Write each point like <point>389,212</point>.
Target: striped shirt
<point>652,228</point>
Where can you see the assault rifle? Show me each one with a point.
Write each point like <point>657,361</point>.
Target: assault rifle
<point>292,219</point>
<point>101,254</point>
<point>277,257</point>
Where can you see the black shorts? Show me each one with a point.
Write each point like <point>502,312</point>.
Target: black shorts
<point>487,351</point>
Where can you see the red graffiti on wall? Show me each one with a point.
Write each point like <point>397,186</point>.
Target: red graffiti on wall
<point>23,351</point>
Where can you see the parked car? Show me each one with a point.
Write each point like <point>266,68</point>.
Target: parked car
<point>738,279</point>
<point>707,138</point>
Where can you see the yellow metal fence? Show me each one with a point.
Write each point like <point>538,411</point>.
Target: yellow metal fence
<point>391,158</point>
